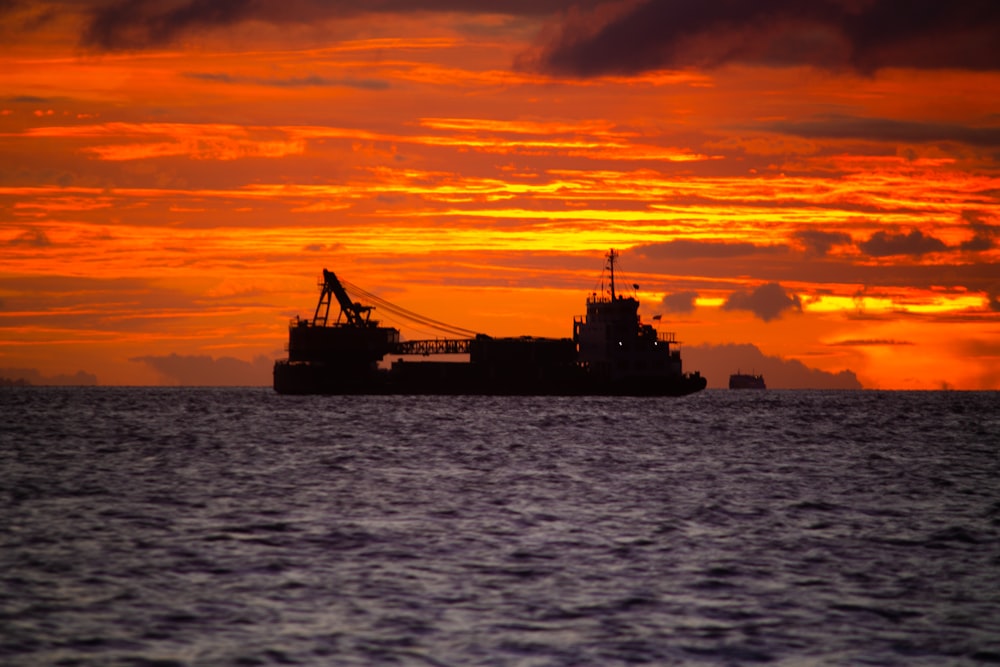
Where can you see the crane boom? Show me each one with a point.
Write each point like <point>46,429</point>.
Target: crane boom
<point>356,314</point>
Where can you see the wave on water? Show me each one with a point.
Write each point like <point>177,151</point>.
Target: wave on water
<point>238,527</point>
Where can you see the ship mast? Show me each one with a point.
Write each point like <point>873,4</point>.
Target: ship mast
<point>612,256</point>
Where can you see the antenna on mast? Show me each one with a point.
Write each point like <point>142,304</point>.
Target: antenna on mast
<point>612,256</point>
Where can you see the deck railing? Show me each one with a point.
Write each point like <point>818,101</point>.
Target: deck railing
<point>437,346</point>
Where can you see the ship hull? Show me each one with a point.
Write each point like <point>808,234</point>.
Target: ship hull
<point>456,378</point>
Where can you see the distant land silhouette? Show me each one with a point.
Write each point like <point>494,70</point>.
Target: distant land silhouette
<point>718,362</point>
<point>202,370</point>
<point>23,377</point>
<point>715,362</point>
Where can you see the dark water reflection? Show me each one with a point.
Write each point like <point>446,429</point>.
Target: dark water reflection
<point>238,527</point>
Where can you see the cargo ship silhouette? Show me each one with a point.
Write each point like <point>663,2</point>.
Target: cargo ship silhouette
<point>740,380</point>
<point>612,352</point>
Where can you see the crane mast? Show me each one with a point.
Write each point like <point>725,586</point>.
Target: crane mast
<point>356,314</point>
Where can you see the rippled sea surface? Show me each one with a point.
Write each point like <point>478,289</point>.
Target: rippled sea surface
<point>163,527</point>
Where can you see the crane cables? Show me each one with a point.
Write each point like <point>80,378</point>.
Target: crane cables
<point>408,315</point>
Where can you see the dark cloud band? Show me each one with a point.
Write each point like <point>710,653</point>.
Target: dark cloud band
<point>140,24</point>
<point>833,34</point>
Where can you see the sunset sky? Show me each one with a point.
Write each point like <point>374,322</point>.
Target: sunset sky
<point>810,189</point>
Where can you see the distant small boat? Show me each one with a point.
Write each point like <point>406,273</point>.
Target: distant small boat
<point>746,381</point>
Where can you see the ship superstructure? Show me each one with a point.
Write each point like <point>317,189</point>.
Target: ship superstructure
<point>616,347</point>
<point>611,352</point>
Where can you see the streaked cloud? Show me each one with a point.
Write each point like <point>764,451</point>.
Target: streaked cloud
<point>690,248</point>
<point>35,238</point>
<point>289,82</point>
<point>890,130</point>
<point>872,342</point>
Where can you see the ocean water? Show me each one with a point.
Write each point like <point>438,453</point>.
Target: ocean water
<point>167,527</point>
